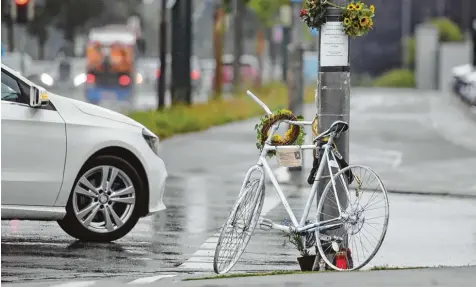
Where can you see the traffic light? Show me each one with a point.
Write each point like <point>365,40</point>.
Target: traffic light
<point>22,11</point>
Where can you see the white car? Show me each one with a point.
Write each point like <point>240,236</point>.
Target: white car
<point>93,170</point>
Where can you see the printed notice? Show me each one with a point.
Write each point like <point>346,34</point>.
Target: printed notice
<point>334,45</point>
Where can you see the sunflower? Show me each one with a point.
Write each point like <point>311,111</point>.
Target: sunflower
<point>358,6</point>
<point>372,9</point>
<point>347,21</point>
<point>364,21</point>
<point>351,7</point>
<point>371,23</point>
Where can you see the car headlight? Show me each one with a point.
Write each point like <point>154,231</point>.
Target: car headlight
<point>79,79</point>
<point>46,79</point>
<point>152,140</point>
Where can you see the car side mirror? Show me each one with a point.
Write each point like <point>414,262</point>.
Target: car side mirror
<point>38,97</point>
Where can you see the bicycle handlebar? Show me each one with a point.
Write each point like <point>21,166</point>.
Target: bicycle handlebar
<point>259,102</point>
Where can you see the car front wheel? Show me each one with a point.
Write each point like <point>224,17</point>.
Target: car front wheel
<point>104,204</point>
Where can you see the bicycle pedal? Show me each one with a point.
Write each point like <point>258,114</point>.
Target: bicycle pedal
<point>265,224</point>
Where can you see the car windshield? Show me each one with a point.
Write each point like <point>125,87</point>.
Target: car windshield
<point>8,93</point>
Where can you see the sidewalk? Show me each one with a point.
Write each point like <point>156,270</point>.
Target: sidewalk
<point>418,142</point>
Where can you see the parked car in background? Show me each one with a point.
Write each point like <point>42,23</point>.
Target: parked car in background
<point>464,83</point>
<point>95,171</point>
<point>249,68</point>
<point>195,73</point>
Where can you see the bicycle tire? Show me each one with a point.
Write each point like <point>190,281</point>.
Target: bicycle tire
<point>351,261</point>
<point>257,205</point>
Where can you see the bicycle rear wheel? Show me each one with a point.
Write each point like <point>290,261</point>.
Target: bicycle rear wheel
<point>239,227</point>
<point>362,228</point>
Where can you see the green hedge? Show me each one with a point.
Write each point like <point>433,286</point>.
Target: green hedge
<point>397,78</point>
<point>448,30</point>
<point>184,119</point>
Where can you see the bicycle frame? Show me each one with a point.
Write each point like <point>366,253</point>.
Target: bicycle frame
<point>262,162</point>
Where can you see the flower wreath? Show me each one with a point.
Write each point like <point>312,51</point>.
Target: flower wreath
<point>356,16</point>
<point>293,136</point>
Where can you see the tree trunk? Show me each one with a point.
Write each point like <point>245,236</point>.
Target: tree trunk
<point>218,29</point>
<point>10,36</point>
<point>237,42</point>
<point>259,52</point>
<point>41,48</point>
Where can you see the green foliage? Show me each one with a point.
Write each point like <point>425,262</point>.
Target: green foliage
<point>74,14</point>
<point>183,119</point>
<point>266,120</point>
<point>448,30</point>
<point>44,16</point>
<point>228,5</point>
<point>396,78</point>
<point>266,10</point>
<point>409,46</point>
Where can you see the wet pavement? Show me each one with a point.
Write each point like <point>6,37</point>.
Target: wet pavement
<point>417,143</point>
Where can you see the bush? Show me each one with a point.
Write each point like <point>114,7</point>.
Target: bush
<point>397,78</point>
<point>409,46</point>
<point>183,119</point>
<point>448,30</point>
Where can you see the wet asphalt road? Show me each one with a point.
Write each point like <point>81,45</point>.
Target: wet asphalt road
<point>413,141</point>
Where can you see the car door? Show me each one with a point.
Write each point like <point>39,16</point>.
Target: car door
<point>33,147</point>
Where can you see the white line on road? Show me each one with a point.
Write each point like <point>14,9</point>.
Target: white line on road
<point>76,284</point>
<point>202,259</point>
<point>147,280</point>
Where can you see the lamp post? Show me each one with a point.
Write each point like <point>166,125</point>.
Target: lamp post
<point>333,91</point>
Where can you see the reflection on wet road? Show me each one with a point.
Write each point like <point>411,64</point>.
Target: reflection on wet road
<point>206,170</point>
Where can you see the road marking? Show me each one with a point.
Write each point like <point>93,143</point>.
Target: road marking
<point>146,280</point>
<point>76,284</point>
<point>202,259</point>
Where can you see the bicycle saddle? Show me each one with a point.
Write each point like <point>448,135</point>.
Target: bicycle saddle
<point>338,127</point>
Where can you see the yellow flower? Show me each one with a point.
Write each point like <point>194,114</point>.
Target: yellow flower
<point>364,21</point>
<point>371,23</point>
<point>276,138</point>
<point>358,6</point>
<point>372,9</point>
<point>347,21</point>
<point>351,7</point>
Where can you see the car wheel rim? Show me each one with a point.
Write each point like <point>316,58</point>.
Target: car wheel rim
<point>104,199</point>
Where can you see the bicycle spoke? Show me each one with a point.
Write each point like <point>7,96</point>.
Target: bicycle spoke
<point>364,208</point>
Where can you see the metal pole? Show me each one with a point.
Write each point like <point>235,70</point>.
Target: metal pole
<point>295,82</point>
<point>161,81</point>
<point>181,51</point>
<point>286,20</point>
<point>238,40</point>
<point>333,100</point>
<point>473,33</point>
<point>22,51</point>
<point>406,30</point>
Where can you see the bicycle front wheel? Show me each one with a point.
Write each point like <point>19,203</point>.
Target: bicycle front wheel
<point>239,227</point>
<point>351,240</point>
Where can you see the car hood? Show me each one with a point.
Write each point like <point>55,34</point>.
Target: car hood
<point>96,111</point>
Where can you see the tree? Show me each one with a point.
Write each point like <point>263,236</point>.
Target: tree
<point>38,28</point>
<point>265,11</point>
<point>75,13</point>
